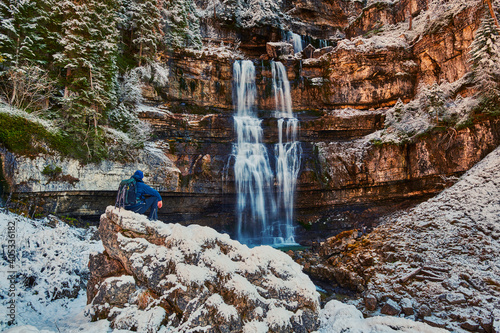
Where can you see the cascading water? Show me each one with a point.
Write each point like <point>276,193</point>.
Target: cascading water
<point>296,40</point>
<point>265,213</point>
<point>256,209</point>
<point>287,151</point>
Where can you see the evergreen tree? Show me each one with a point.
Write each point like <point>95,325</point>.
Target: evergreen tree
<point>182,24</point>
<point>20,41</point>
<point>23,49</point>
<point>485,58</point>
<point>145,24</point>
<point>89,38</point>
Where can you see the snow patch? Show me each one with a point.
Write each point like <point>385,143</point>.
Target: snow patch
<point>340,317</point>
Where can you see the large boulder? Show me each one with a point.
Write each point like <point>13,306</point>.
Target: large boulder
<point>193,277</point>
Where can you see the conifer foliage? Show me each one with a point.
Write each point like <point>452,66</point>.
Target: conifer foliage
<point>485,58</point>
<point>89,37</point>
<point>24,82</point>
<point>182,24</point>
<point>69,60</point>
<point>144,20</point>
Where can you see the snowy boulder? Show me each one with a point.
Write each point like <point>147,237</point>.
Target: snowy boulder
<point>194,278</point>
<point>340,317</point>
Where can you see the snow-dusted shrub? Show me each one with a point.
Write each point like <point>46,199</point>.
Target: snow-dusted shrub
<point>154,73</point>
<point>128,129</point>
<point>247,14</point>
<point>485,59</point>
<point>435,105</point>
<point>26,87</point>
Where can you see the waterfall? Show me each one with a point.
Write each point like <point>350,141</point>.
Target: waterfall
<point>296,40</point>
<point>264,211</point>
<point>287,151</point>
<point>256,209</point>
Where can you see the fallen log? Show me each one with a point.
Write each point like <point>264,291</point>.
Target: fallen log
<point>429,278</point>
<point>434,268</point>
<point>410,275</point>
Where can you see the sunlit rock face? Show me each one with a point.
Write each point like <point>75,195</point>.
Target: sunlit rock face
<point>378,14</point>
<point>362,75</point>
<point>153,274</point>
<point>340,93</point>
<point>443,53</point>
<point>434,262</point>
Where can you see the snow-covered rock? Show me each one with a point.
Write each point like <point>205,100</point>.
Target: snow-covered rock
<point>49,260</point>
<point>194,278</point>
<point>340,317</point>
<point>441,257</point>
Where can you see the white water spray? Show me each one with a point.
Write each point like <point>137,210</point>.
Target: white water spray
<point>296,40</point>
<point>287,152</point>
<point>265,212</point>
<point>256,208</point>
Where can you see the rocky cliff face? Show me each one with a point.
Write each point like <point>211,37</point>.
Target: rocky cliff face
<point>435,263</point>
<point>341,95</point>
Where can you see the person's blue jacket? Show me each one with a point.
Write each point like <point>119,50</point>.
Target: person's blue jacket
<point>143,191</point>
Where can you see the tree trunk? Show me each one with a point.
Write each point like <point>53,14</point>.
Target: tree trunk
<point>492,12</point>
<point>94,107</point>
<point>95,120</point>
<point>66,88</point>
<point>14,92</point>
<point>140,54</point>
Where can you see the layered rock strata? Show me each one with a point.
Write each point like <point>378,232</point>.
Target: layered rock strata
<point>360,75</point>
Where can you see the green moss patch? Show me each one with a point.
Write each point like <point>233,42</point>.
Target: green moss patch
<point>24,137</point>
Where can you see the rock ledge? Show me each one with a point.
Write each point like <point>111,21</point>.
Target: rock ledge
<point>193,278</point>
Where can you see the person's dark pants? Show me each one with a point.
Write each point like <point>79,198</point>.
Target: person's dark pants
<point>151,203</point>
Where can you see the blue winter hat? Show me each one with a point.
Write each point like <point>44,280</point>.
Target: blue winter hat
<point>138,174</point>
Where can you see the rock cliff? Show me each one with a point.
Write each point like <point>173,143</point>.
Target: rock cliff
<point>436,263</point>
<point>342,89</point>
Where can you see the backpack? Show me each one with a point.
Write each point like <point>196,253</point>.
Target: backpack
<point>127,193</point>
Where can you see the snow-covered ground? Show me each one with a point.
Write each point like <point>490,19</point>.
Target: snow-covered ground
<point>443,254</point>
<point>51,264</point>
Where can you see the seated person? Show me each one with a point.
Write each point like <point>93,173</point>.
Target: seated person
<point>147,198</point>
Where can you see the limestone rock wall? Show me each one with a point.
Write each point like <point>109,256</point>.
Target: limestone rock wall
<point>355,75</point>
<point>443,52</point>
